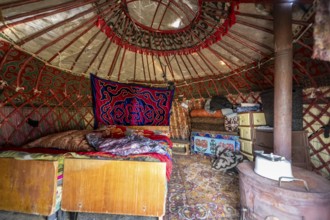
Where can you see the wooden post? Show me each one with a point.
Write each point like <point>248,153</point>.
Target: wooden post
<point>283,79</point>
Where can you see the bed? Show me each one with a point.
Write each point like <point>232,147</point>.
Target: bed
<point>85,181</point>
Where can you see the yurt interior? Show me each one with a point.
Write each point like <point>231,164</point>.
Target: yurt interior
<point>165,109</point>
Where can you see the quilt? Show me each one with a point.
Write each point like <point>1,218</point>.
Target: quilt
<point>127,104</point>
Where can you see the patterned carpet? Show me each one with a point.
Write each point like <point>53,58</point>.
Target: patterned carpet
<point>198,192</point>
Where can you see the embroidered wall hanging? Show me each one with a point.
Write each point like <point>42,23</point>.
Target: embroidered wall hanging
<point>127,104</point>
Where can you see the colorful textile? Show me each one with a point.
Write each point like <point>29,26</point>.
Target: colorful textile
<point>226,160</point>
<point>196,191</point>
<point>208,146</point>
<point>211,141</point>
<point>231,123</point>
<point>131,144</point>
<point>248,109</point>
<point>126,104</point>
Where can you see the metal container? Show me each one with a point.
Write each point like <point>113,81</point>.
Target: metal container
<point>272,166</point>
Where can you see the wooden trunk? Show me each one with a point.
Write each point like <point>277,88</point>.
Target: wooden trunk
<point>116,187</point>
<point>28,186</point>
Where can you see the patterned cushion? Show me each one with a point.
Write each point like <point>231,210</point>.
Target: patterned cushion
<point>231,123</point>
<point>73,140</point>
<point>225,159</point>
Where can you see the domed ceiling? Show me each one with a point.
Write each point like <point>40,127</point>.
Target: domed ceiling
<point>202,47</point>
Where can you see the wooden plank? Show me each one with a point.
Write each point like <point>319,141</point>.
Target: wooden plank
<point>28,186</point>
<point>117,187</point>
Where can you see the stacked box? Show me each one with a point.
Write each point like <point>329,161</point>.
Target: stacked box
<point>181,147</point>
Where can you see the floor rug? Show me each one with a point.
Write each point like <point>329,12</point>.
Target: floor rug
<point>195,191</point>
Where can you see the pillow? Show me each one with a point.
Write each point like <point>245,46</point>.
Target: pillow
<point>158,130</point>
<point>114,131</point>
<point>73,140</point>
<point>117,131</point>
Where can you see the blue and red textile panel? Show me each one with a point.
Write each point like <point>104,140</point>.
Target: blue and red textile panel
<point>206,142</point>
<point>127,104</point>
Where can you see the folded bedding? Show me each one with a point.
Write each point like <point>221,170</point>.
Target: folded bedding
<point>204,113</point>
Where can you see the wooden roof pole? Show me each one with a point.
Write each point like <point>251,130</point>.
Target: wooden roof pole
<point>184,63</point>
<point>41,13</point>
<point>97,53</point>
<point>134,66</point>
<point>207,62</point>
<point>304,71</point>
<point>283,79</point>
<point>148,68</point>
<point>168,63</point>
<point>232,53</point>
<point>249,39</point>
<point>153,18</point>
<point>54,26</point>
<point>257,27</point>
<point>17,3</point>
<point>121,63</point>
<point>176,60</point>
<point>226,62</point>
<point>103,56</point>
<point>192,66</point>
<point>269,18</point>
<point>246,44</point>
<point>142,63</point>
<point>199,64</point>
<point>238,50</point>
<point>84,48</point>
<point>154,68</point>
<point>114,61</point>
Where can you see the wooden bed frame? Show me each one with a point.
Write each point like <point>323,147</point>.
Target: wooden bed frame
<point>135,188</point>
<point>31,188</point>
<point>116,187</point>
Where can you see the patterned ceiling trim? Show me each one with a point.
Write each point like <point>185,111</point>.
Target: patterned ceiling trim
<point>207,29</point>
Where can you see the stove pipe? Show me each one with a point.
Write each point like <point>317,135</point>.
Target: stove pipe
<point>283,79</point>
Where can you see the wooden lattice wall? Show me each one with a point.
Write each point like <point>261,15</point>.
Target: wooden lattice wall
<point>37,99</point>
<point>27,116</point>
<point>316,114</point>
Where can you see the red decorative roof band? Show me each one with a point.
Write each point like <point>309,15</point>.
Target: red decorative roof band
<point>205,32</point>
